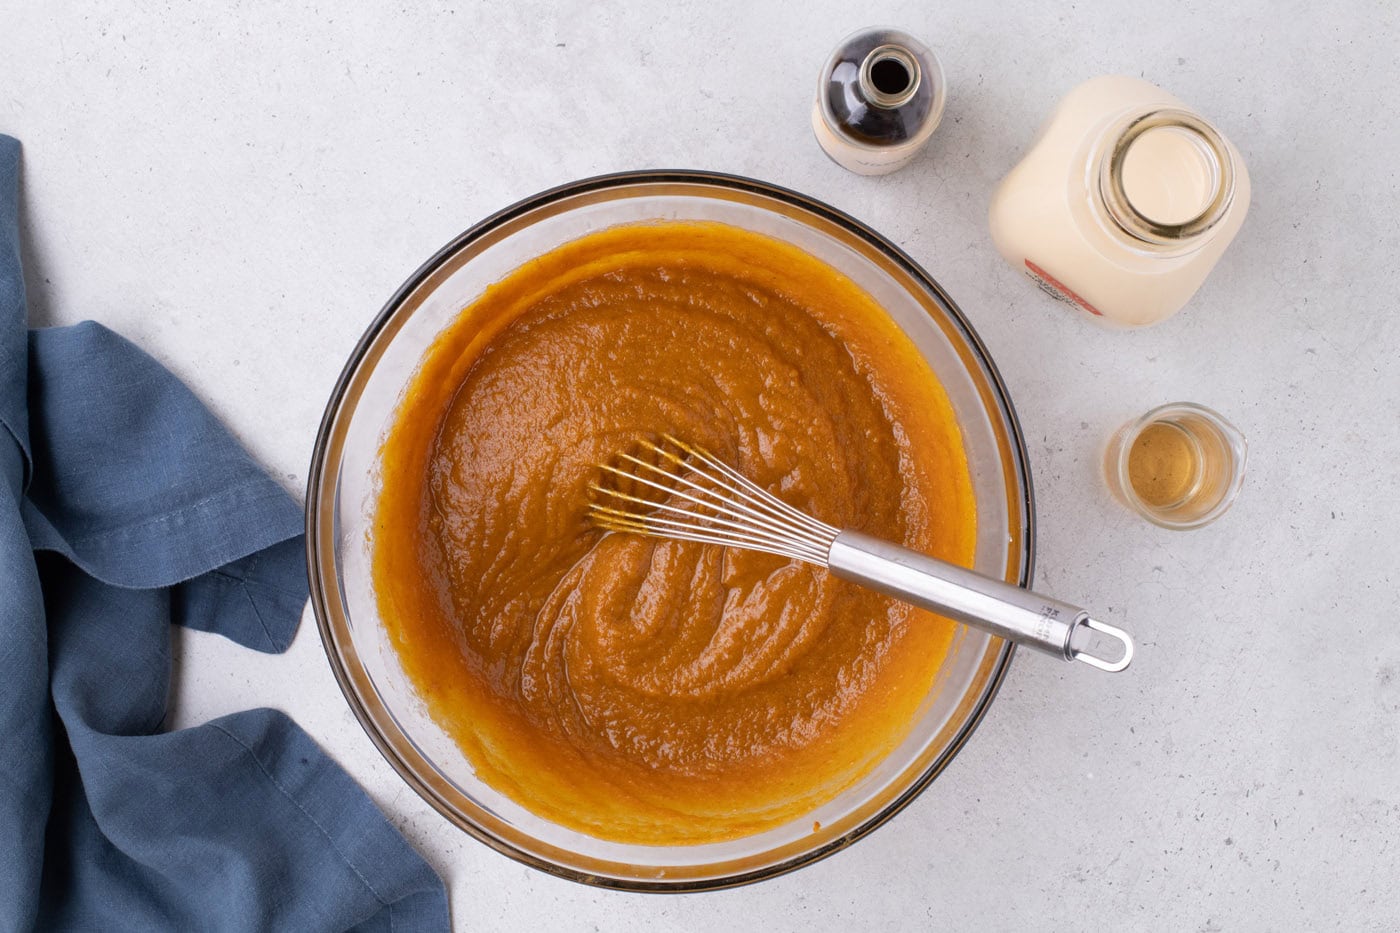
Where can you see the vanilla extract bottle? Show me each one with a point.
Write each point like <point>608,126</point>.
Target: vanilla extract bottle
<point>880,96</point>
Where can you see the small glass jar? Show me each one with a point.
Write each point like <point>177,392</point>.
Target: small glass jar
<point>1179,466</point>
<point>879,98</point>
<point>1124,203</point>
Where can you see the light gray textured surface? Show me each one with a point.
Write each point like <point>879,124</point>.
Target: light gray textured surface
<point>238,188</point>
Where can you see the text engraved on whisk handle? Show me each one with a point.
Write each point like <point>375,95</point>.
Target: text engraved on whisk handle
<point>994,606</point>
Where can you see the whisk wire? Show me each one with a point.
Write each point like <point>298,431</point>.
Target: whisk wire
<point>733,510</point>
<point>760,497</point>
<point>769,518</point>
<point>727,532</point>
<point>668,529</point>
<point>744,525</point>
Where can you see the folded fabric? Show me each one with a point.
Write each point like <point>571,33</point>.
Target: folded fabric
<point>125,507</point>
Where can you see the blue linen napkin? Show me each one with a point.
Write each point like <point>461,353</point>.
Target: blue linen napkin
<point>124,507</point>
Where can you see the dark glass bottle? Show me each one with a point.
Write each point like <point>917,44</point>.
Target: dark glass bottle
<point>879,98</point>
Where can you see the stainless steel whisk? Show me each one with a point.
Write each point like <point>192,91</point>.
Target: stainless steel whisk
<point>709,501</point>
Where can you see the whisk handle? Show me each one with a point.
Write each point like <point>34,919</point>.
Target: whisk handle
<point>983,602</point>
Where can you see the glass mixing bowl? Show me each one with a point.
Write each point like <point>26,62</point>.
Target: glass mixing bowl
<point>342,491</point>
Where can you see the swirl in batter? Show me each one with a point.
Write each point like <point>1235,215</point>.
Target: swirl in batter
<point>652,691</point>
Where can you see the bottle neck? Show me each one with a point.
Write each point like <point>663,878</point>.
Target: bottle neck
<point>889,76</point>
<point>1165,179</point>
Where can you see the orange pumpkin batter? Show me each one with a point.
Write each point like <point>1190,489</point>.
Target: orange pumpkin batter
<point>652,691</point>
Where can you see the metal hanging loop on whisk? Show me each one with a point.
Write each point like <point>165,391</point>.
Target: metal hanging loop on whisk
<point>703,499</point>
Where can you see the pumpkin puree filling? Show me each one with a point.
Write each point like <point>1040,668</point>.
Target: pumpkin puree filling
<point>651,691</point>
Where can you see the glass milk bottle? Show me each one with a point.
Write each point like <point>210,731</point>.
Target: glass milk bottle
<point>1124,203</point>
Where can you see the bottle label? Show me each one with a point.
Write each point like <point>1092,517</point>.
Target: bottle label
<point>863,160</point>
<point>1057,289</point>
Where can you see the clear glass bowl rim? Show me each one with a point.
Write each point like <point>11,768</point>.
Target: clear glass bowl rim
<point>316,502</point>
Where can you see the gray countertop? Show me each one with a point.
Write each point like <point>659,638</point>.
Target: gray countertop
<point>239,187</point>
